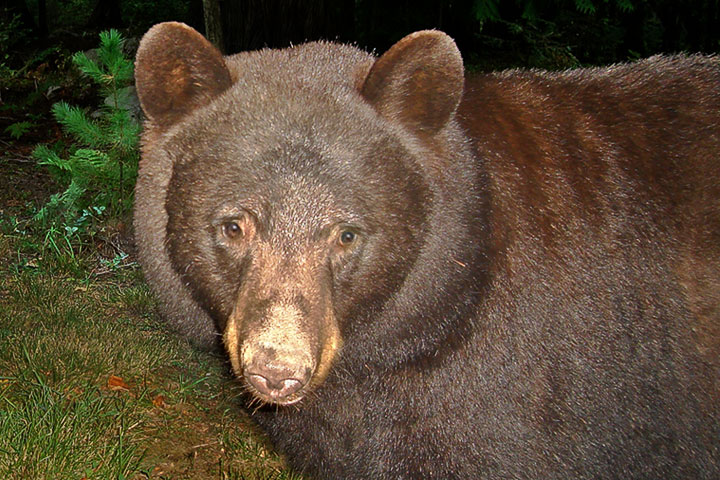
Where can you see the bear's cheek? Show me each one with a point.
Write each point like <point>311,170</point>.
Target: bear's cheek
<point>212,276</point>
<point>363,287</point>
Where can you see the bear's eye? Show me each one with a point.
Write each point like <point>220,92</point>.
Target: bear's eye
<point>232,230</point>
<point>346,238</point>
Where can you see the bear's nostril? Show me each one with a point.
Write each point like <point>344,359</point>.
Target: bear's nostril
<point>276,385</point>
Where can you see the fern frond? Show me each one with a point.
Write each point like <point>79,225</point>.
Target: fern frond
<point>625,5</point>
<point>64,202</point>
<point>585,6</point>
<point>69,199</point>
<point>43,215</point>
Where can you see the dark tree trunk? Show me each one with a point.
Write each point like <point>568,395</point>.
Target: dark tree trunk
<point>213,23</point>
<point>254,24</point>
<point>106,14</point>
<point>42,19</point>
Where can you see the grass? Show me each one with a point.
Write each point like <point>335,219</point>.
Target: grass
<point>92,385</point>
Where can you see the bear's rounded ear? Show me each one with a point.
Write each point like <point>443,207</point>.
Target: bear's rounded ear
<point>176,71</point>
<point>418,82</point>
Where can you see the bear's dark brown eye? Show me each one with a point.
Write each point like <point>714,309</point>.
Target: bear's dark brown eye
<point>346,238</point>
<point>232,230</point>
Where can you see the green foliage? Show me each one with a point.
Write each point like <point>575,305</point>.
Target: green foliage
<point>588,6</point>
<point>11,32</point>
<point>486,10</point>
<point>585,6</point>
<point>554,34</point>
<point>489,10</point>
<point>100,170</point>
<point>112,67</point>
<point>18,129</point>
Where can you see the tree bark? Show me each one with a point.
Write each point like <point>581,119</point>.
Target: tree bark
<point>106,14</point>
<point>213,23</point>
<point>42,19</point>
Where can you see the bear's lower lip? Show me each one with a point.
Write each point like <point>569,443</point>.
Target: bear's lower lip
<point>281,402</point>
<point>273,398</point>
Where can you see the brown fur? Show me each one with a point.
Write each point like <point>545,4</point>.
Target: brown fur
<point>514,275</point>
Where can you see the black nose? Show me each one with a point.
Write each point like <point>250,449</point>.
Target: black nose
<point>276,382</point>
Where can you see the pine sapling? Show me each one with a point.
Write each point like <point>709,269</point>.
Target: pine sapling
<point>101,167</point>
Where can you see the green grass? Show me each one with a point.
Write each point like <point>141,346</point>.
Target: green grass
<point>93,386</point>
<point>49,433</point>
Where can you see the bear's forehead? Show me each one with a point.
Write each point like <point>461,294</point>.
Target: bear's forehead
<point>284,186</point>
<point>291,108</point>
<point>297,203</point>
<point>297,136</point>
<point>319,63</point>
<point>274,90</point>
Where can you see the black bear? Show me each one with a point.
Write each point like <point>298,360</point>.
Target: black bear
<point>417,275</point>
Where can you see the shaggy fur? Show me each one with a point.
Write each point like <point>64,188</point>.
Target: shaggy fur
<point>514,275</point>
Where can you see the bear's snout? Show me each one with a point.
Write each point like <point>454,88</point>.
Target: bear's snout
<point>274,378</point>
<point>276,353</point>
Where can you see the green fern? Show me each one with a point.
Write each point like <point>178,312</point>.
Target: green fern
<point>100,169</point>
<point>588,7</point>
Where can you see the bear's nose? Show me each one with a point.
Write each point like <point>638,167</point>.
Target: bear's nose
<point>277,382</point>
<point>276,387</point>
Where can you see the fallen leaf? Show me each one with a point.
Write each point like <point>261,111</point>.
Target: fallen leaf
<point>116,383</point>
<point>159,401</point>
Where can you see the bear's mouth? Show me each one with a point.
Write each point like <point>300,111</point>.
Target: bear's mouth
<point>257,397</point>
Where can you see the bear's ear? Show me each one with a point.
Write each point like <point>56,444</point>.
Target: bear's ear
<point>418,82</point>
<point>176,71</point>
